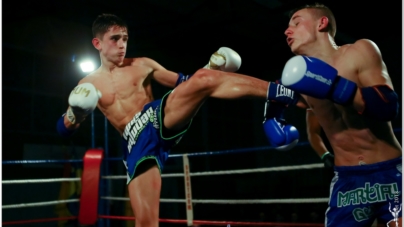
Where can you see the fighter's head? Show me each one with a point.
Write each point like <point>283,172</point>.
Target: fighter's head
<point>110,36</point>
<point>308,24</point>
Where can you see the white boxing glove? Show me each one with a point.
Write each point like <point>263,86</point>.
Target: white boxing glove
<point>225,59</point>
<point>82,101</point>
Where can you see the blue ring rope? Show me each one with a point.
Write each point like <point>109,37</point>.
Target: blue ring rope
<point>40,161</point>
<point>207,153</point>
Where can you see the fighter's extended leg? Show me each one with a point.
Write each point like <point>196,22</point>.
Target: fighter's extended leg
<point>184,102</point>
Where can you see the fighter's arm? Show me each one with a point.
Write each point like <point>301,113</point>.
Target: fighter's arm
<point>69,125</point>
<point>315,139</point>
<point>371,94</point>
<point>160,74</point>
<point>82,101</point>
<point>224,59</point>
<point>372,74</point>
<point>314,133</point>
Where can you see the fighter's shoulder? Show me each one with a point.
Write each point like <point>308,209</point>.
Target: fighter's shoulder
<point>90,78</point>
<point>364,47</point>
<point>127,62</point>
<point>144,61</point>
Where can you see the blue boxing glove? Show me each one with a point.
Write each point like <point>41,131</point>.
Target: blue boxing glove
<point>313,77</point>
<point>279,133</point>
<point>279,93</point>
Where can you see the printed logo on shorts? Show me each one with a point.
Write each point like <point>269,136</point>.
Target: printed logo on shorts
<point>156,122</point>
<point>361,214</point>
<point>395,208</point>
<point>136,126</point>
<point>367,194</point>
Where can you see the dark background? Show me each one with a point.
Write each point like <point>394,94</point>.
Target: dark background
<point>43,42</point>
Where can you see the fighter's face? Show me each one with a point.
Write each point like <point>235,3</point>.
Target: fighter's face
<point>114,43</point>
<point>301,30</point>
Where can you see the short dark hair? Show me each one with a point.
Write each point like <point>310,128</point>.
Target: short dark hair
<point>104,22</point>
<point>320,10</point>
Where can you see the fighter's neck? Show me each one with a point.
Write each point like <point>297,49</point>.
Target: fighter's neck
<point>322,49</point>
<point>109,67</point>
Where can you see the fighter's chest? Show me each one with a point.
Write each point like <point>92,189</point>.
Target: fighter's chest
<point>119,88</point>
<point>346,69</point>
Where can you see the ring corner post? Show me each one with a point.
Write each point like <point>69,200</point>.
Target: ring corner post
<point>188,190</point>
<point>90,180</point>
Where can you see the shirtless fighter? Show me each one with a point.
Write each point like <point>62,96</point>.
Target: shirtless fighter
<point>121,89</point>
<point>349,90</point>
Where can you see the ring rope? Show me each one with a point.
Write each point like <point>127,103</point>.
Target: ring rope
<point>207,153</point>
<point>41,180</point>
<point>39,203</point>
<point>240,171</point>
<point>232,201</point>
<point>206,173</point>
<point>38,220</point>
<point>40,161</point>
<point>220,223</point>
<point>242,150</point>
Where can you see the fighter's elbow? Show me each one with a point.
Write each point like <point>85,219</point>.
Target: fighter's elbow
<point>380,103</point>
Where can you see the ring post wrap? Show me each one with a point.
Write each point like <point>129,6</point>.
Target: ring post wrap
<point>313,77</point>
<point>90,180</point>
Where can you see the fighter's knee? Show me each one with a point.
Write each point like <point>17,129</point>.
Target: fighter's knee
<point>205,78</point>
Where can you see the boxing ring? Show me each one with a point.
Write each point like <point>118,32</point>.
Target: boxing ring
<point>93,198</point>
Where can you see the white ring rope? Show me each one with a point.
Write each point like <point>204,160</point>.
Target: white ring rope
<point>40,180</point>
<point>224,172</point>
<point>206,173</point>
<point>232,201</point>
<point>40,203</point>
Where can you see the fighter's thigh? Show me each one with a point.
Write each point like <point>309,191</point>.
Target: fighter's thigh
<point>358,216</point>
<point>144,192</point>
<point>343,211</point>
<point>185,100</point>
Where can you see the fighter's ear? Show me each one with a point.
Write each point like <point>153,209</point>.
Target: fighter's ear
<point>96,43</point>
<point>323,23</point>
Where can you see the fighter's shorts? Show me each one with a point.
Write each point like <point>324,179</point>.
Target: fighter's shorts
<point>360,194</point>
<point>145,138</point>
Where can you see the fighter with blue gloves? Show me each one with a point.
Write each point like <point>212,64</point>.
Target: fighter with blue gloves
<point>313,77</point>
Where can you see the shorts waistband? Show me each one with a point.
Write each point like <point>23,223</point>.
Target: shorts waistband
<point>368,168</point>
